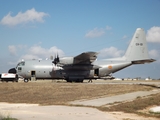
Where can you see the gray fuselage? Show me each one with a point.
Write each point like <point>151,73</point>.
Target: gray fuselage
<point>45,69</point>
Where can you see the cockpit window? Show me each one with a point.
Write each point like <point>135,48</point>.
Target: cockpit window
<point>21,64</point>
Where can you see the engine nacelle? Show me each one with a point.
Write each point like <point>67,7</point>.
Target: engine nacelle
<point>66,61</point>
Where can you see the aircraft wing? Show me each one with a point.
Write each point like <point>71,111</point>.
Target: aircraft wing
<point>82,61</point>
<point>85,58</point>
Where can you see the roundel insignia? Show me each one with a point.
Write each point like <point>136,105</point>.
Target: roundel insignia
<point>110,67</point>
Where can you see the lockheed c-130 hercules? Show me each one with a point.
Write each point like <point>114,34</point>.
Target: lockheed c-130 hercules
<point>85,65</point>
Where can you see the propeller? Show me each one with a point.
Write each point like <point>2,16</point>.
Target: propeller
<point>56,60</point>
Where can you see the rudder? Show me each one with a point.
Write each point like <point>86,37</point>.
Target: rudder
<point>137,50</point>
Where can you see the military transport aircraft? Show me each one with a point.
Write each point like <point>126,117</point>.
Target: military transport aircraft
<point>85,65</point>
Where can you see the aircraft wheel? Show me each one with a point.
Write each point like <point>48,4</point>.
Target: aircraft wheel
<point>25,80</point>
<point>16,78</point>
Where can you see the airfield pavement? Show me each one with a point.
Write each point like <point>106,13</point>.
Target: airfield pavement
<point>85,112</point>
<point>53,112</point>
<point>113,99</point>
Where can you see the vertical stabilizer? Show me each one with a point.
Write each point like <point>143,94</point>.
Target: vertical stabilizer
<point>137,50</point>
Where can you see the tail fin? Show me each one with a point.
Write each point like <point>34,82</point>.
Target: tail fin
<point>137,51</point>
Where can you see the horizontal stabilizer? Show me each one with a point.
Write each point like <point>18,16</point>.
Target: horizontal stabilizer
<point>143,61</point>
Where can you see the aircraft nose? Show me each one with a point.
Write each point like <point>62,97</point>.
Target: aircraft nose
<point>12,70</point>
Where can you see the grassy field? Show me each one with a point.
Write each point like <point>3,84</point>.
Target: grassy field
<point>138,106</point>
<point>60,93</point>
<point>51,93</point>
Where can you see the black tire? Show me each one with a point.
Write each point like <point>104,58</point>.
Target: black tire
<point>25,80</point>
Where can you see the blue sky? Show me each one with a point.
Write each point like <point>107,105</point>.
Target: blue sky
<point>39,29</point>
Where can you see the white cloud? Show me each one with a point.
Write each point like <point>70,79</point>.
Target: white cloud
<point>21,18</point>
<point>38,52</point>
<point>111,52</point>
<point>97,32</point>
<point>29,57</point>
<point>153,35</point>
<point>108,27</point>
<point>124,37</point>
<point>33,52</point>
<point>21,46</point>
<point>12,49</point>
<point>155,54</point>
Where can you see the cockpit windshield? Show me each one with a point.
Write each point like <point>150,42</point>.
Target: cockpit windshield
<point>22,63</point>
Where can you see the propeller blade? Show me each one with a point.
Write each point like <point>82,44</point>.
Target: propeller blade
<point>56,59</point>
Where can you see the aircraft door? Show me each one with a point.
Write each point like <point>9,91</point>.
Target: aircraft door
<point>33,75</point>
<point>96,72</point>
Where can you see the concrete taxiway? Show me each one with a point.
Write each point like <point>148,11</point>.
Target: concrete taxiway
<point>112,99</point>
<point>53,112</point>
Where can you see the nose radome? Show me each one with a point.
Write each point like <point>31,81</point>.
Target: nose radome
<point>12,70</point>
